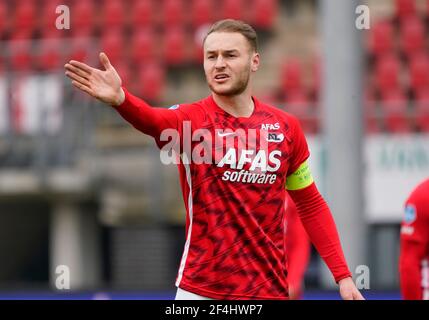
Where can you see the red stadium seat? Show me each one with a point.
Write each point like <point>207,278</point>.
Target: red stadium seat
<point>83,15</point>
<point>394,101</point>
<point>370,112</point>
<point>52,33</point>
<point>113,45</point>
<point>113,14</point>
<point>22,34</point>
<point>291,75</point>
<point>198,39</point>
<point>298,97</point>
<point>412,35</point>
<point>173,13</point>
<point>233,9</point>
<point>80,49</point>
<point>316,81</point>
<point>49,57</point>
<point>263,13</point>
<point>419,71</point>
<point>21,58</point>
<point>198,52</point>
<point>86,32</point>
<point>202,12</point>
<point>422,110</point>
<point>174,46</point>
<point>48,12</point>
<point>24,16</point>
<point>381,40</point>
<point>298,104</point>
<point>151,78</point>
<point>142,14</point>
<point>372,124</point>
<point>143,45</point>
<point>369,101</point>
<point>4,18</point>
<point>394,105</point>
<point>427,8</point>
<point>270,97</point>
<point>387,72</point>
<point>405,8</point>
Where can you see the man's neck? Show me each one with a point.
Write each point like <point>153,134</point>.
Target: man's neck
<point>241,105</point>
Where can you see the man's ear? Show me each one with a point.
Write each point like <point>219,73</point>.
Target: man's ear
<point>255,62</point>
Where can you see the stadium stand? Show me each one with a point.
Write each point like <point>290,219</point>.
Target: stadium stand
<point>202,12</point>
<point>156,48</point>
<point>397,73</point>
<point>142,14</point>
<point>166,35</point>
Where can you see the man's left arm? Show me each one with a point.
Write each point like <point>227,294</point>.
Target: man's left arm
<point>315,214</point>
<point>317,220</point>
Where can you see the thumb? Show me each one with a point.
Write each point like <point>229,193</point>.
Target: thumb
<point>105,61</point>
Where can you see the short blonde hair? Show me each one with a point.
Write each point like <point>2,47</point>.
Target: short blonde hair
<point>231,25</point>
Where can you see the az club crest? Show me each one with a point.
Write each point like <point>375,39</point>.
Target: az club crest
<point>410,214</point>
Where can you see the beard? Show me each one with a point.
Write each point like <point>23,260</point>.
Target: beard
<point>236,88</point>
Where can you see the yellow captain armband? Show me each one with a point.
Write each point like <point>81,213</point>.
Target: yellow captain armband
<point>300,179</point>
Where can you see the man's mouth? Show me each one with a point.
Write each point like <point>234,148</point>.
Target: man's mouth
<point>221,77</point>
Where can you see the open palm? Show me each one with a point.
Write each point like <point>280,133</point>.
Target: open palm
<point>105,85</point>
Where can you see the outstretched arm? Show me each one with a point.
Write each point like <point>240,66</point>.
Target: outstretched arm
<point>106,86</point>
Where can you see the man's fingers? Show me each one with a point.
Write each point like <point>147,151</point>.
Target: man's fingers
<point>359,296</point>
<point>352,295</point>
<point>77,71</point>
<point>347,297</point>
<point>81,65</point>
<point>105,61</point>
<point>78,78</point>
<point>83,88</point>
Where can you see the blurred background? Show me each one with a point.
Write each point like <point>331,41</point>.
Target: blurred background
<point>80,187</point>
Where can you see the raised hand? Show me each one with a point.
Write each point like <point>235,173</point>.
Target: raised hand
<point>105,85</point>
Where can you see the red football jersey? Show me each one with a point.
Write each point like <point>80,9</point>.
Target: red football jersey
<point>235,198</point>
<point>414,256</point>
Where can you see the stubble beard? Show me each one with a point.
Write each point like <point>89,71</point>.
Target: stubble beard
<point>238,88</point>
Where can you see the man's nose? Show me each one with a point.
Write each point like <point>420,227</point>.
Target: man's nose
<point>220,62</point>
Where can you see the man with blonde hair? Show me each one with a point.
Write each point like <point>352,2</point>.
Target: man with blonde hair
<point>234,184</point>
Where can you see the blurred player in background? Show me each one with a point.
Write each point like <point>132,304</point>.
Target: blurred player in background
<point>414,255</point>
<point>235,203</point>
<point>298,248</point>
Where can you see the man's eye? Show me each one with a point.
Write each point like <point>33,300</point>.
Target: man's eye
<point>210,57</point>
